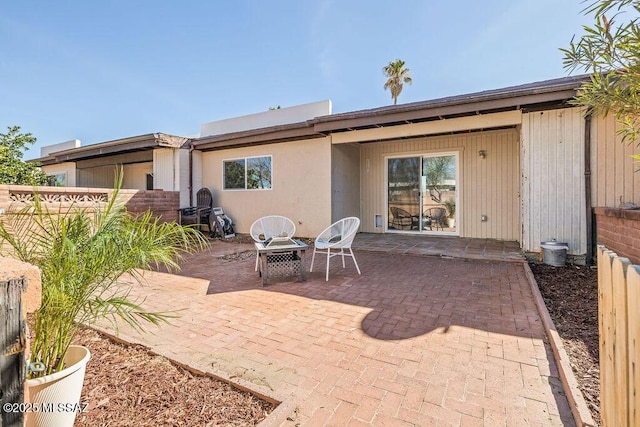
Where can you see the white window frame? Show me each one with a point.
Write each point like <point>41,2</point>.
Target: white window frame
<point>245,159</point>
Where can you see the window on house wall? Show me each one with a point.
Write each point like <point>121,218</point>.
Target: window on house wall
<point>57,180</point>
<point>251,173</point>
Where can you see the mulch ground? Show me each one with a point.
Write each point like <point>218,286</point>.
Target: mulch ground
<point>571,296</point>
<point>126,385</point>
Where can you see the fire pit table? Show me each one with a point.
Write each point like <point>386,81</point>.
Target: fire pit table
<point>281,257</point>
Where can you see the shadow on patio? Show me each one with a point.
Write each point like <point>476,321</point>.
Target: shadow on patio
<point>407,295</point>
<point>414,340</point>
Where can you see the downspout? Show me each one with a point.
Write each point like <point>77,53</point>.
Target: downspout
<point>587,188</point>
<point>190,174</point>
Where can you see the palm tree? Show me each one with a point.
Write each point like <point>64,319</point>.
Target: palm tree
<point>396,74</point>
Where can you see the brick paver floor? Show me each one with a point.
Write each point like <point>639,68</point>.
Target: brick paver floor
<point>414,340</point>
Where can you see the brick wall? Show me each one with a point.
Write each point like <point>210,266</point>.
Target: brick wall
<point>619,231</point>
<point>163,204</point>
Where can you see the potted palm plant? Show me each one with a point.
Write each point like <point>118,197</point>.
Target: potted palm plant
<point>450,205</point>
<point>82,253</point>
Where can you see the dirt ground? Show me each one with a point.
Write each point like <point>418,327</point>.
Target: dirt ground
<point>127,385</point>
<point>571,296</point>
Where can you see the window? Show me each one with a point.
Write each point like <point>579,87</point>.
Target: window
<point>252,173</point>
<point>57,180</point>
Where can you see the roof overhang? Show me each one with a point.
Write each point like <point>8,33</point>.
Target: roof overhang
<point>444,126</point>
<point>120,146</point>
<point>486,106</point>
<point>548,94</point>
<point>281,133</point>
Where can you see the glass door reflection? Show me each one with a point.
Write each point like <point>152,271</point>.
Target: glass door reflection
<point>439,193</point>
<point>403,193</point>
<point>422,193</point>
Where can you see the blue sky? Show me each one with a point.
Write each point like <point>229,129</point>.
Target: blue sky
<point>98,71</point>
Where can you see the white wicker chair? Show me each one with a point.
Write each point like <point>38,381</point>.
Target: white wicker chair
<point>271,226</point>
<point>337,237</point>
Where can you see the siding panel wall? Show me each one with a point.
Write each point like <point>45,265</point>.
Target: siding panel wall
<point>487,186</point>
<point>163,169</point>
<point>553,179</point>
<point>135,176</point>
<point>97,177</point>
<point>345,186</point>
<point>613,178</point>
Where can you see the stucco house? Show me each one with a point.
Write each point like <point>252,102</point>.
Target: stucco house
<point>518,163</point>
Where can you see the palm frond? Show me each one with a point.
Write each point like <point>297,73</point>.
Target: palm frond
<point>83,255</point>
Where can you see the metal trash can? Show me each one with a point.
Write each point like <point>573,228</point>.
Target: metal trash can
<point>554,253</point>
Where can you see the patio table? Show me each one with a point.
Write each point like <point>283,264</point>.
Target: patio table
<point>281,258</point>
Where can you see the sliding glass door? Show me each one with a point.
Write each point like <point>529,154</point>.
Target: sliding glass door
<point>422,193</point>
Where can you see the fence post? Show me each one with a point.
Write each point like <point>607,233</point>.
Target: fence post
<point>20,293</point>
<point>12,336</point>
<point>633,308</point>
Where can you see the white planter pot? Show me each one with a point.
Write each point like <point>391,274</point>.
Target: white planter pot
<point>57,396</point>
<point>451,222</point>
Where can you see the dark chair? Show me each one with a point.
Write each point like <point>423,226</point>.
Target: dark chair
<point>402,218</point>
<point>201,213</point>
<point>437,217</point>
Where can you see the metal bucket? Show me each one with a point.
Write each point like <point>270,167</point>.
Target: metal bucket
<point>554,253</point>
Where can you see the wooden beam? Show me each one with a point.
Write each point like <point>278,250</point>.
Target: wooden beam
<point>361,119</point>
<point>482,121</point>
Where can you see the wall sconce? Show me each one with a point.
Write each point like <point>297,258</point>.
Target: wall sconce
<point>482,154</point>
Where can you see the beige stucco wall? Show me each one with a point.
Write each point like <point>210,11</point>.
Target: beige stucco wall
<point>612,168</point>
<point>553,191</point>
<point>68,168</point>
<point>301,185</point>
<point>487,186</point>
<point>135,175</point>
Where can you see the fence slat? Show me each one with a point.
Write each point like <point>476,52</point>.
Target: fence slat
<point>620,340</point>
<point>605,318</point>
<point>619,330</point>
<point>633,309</point>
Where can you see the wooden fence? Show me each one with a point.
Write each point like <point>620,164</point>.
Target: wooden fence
<point>20,294</point>
<point>619,323</point>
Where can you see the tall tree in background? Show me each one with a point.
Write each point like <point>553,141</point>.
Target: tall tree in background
<point>610,49</point>
<point>13,170</point>
<point>397,75</point>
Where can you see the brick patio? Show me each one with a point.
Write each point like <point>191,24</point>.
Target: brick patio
<point>415,340</point>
